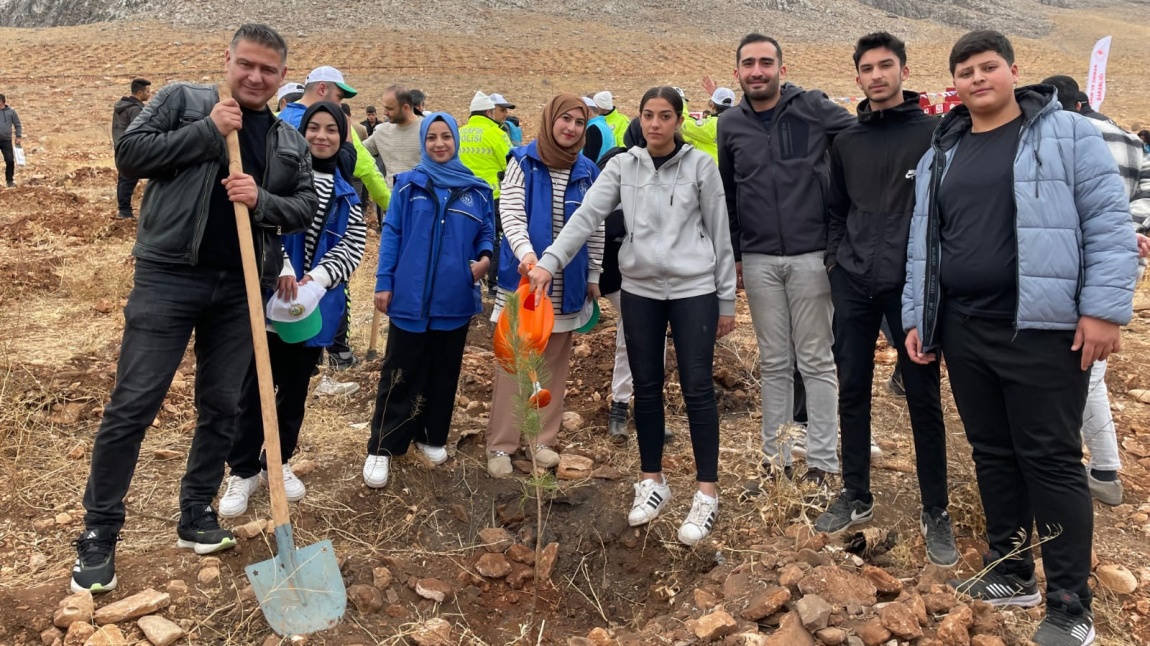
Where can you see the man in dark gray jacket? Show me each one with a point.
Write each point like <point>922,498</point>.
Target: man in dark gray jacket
<point>125,111</point>
<point>772,158</point>
<point>189,279</point>
<point>9,121</point>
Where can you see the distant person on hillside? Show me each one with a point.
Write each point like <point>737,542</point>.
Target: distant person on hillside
<point>483,147</point>
<point>418,100</point>
<point>605,103</point>
<point>124,112</point>
<point>288,93</point>
<point>359,128</point>
<point>397,141</point>
<point>9,121</point>
<point>189,280</point>
<point>371,121</point>
<point>1144,135</point>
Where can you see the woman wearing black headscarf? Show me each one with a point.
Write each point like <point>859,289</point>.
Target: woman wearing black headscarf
<point>304,312</point>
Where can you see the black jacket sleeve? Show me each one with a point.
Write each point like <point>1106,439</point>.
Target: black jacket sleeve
<point>164,140</point>
<point>838,206</point>
<point>727,174</point>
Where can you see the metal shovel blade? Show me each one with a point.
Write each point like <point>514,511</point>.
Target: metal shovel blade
<point>300,591</point>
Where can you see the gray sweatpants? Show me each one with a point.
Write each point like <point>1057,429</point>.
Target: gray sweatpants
<point>790,300</point>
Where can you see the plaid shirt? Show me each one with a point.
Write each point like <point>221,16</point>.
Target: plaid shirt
<point>1133,167</point>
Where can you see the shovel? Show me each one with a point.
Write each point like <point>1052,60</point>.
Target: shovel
<point>299,590</point>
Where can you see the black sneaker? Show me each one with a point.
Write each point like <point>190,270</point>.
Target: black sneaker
<point>1067,622</point>
<point>617,421</point>
<point>95,568</point>
<point>846,510</point>
<point>125,215</point>
<point>939,535</point>
<point>896,385</point>
<point>1000,589</point>
<point>341,360</point>
<point>200,530</point>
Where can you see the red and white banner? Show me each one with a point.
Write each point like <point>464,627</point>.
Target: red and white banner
<point>1096,78</point>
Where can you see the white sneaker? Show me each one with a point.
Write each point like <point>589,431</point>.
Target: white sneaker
<point>875,450</point>
<point>375,470</point>
<point>329,387</point>
<point>650,496</point>
<point>437,454</point>
<point>799,447</point>
<point>293,486</point>
<point>235,499</point>
<point>704,511</point>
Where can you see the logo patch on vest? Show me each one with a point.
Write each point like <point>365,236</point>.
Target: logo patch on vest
<point>467,199</point>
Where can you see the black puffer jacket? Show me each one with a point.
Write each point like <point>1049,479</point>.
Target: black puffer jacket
<point>872,194</point>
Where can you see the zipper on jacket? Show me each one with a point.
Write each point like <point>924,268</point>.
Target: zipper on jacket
<point>775,190</point>
<point>931,284</point>
<point>882,216</point>
<point>1017,246</point>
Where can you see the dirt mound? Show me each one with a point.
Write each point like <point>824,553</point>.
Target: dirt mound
<point>59,216</point>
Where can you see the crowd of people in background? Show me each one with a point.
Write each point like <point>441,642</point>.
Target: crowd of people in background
<point>1004,238</point>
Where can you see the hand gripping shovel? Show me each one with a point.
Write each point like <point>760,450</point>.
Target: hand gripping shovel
<point>300,591</point>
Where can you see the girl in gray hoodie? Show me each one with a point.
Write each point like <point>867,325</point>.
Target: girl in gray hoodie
<point>678,268</point>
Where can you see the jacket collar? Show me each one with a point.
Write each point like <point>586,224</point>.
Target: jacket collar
<point>644,156</point>
<point>1035,101</point>
<point>786,94</point>
<point>581,169</point>
<point>908,108</point>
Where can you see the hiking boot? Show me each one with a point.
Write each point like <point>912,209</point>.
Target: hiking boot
<point>846,511</point>
<point>617,420</point>
<point>939,536</point>
<point>235,499</point>
<point>200,530</point>
<point>1107,492</point>
<point>376,469</point>
<point>815,476</point>
<point>896,385</point>
<point>329,387</point>
<point>704,511</point>
<point>437,455</point>
<point>1067,622</point>
<point>499,464</point>
<point>341,360</point>
<point>294,489</point>
<point>95,568</point>
<point>650,496</point>
<point>546,457</point>
<point>11,184</point>
<point>125,215</point>
<point>1000,589</point>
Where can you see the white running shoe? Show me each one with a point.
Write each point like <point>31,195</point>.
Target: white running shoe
<point>329,387</point>
<point>376,469</point>
<point>704,511</point>
<point>235,499</point>
<point>437,454</point>
<point>293,486</point>
<point>875,451</point>
<point>650,496</point>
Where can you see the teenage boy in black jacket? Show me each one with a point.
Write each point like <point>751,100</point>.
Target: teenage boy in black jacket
<point>871,200</point>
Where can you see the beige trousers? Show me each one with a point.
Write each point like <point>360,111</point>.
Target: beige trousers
<point>503,430</point>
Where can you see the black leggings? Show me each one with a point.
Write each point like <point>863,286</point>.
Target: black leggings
<point>693,323</point>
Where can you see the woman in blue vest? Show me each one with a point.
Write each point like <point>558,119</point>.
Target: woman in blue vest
<point>435,246</point>
<point>321,260</point>
<point>544,183</point>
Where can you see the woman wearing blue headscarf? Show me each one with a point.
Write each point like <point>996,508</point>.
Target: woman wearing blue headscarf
<point>435,246</point>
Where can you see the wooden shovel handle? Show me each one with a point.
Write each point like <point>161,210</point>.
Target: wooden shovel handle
<point>280,514</point>
<point>375,320</point>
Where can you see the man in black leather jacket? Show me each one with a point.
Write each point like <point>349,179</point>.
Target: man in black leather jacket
<point>189,278</point>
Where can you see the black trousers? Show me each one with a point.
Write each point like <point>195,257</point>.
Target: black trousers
<point>1021,396</point>
<point>125,187</point>
<point>292,367</point>
<point>340,344</point>
<point>9,159</point>
<point>417,386</point>
<point>858,320</point>
<point>493,270</point>
<point>693,322</point>
<point>168,303</point>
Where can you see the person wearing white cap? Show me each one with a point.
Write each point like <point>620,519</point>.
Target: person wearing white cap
<point>618,122</point>
<point>483,147</point>
<point>600,137</point>
<point>288,93</point>
<point>703,133</point>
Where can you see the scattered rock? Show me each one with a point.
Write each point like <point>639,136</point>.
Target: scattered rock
<point>78,633</point>
<point>600,637</point>
<point>166,454</point>
<point>496,539</point>
<point>77,452</point>
<point>493,566</point>
<point>434,589</point>
<point>574,467</point>
<point>1115,578</point>
<point>142,603</point>
<point>367,599</point>
<point>208,575</point>
<point>63,519</point>
<point>104,306</point>
<point>177,589</point>
<point>381,577</point>
<point>790,576</point>
<point>433,632</point>
<point>987,619</point>
<point>900,621</point>
<point>736,585</point>
<point>51,636</point>
<point>520,553</point>
<point>832,636</point>
<point>955,627</point>
<point>73,608</point>
<point>938,603</point>
<point>883,581</point>
<point>987,640</point>
<point>108,635</point>
<point>813,612</point>
<point>918,608</point>
<point>303,467</point>
<point>607,472</point>
<point>790,633</point>
<point>766,603</point>
<point>705,600</point>
<point>838,587</point>
<point>872,632</point>
<point>572,422</point>
<point>250,530</point>
<point>714,626</point>
<point>159,630</point>
<point>520,575</point>
<point>547,560</point>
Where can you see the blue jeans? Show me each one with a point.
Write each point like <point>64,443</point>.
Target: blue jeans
<point>168,303</point>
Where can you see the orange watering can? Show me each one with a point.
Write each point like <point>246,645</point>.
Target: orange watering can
<point>536,319</point>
